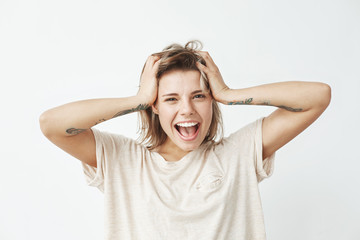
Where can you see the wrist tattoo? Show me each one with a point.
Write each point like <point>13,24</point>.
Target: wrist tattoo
<point>246,102</point>
<point>138,108</point>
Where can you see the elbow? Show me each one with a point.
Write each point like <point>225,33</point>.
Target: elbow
<point>44,122</point>
<point>321,96</point>
<point>325,95</point>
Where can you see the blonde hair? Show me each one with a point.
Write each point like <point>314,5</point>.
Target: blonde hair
<point>177,57</point>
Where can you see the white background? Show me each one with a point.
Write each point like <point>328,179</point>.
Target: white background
<point>54,52</point>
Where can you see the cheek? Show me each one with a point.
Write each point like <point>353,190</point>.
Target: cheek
<point>209,117</point>
<point>165,116</point>
<point>207,112</point>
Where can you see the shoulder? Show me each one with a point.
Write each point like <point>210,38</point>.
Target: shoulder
<point>245,134</point>
<point>108,140</point>
<point>115,151</point>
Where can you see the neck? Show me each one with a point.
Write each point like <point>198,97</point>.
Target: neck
<point>170,151</point>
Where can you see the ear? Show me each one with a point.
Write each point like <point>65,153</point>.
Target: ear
<point>154,109</point>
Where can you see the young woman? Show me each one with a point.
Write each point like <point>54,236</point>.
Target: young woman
<point>183,180</point>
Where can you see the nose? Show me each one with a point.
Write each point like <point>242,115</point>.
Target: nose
<point>186,108</point>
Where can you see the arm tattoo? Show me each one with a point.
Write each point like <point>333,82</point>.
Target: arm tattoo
<point>100,120</point>
<point>246,102</point>
<point>74,131</point>
<point>138,108</point>
<point>283,107</point>
<point>290,108</point>
<point>249,101</point>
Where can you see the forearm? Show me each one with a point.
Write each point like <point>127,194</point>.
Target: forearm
<point>73,118</point>
<point>293,96</point>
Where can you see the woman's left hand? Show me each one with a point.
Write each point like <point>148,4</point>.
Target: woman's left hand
<point>217,84</point>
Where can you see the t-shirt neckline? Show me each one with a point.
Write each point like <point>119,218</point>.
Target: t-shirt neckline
<point>174,164</point>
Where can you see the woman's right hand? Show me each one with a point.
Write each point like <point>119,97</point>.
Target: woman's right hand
<point>148,83</point>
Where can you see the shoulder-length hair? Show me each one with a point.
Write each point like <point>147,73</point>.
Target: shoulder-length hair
<point>177,57</point>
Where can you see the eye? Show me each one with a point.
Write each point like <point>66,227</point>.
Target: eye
<point>170,99</point>
<point>200,96</point>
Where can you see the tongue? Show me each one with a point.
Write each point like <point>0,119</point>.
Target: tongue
<point>187,131</point>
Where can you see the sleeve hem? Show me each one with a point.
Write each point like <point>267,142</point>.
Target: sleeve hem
<point>94,175</point>
<point>264,168</point>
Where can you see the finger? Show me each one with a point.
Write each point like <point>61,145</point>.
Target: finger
<point>156,57</point>
<point>204,54</point>
<point>156,64</point>
<point>151,61</point>
<point>152,58</point>
<point>148,61</point>
<point>207,58</point>
<point>156,60</point>
<point>201,67</point>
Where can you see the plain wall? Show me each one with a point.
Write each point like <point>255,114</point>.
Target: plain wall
<point>55,52</point>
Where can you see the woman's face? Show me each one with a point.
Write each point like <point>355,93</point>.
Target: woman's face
<point>184,109</point>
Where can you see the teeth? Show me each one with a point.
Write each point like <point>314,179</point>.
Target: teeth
<point>188,124</point>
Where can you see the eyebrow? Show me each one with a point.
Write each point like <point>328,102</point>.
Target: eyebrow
<point>175,94</point>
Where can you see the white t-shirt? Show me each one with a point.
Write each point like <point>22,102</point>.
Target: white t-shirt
<point>211,193</point>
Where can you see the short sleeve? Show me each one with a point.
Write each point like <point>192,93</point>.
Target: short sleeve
<point>249,140</point>
<point>107,148</point>
<point>264,168</point>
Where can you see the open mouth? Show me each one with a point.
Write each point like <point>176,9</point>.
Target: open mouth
<point>188,130</point>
